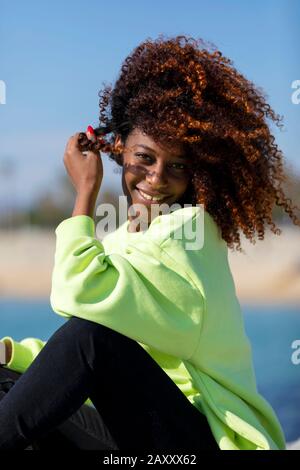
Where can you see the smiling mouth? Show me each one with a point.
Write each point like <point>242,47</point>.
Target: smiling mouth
<point>149,199</point>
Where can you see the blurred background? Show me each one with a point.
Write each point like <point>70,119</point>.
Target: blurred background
<point>54,58</point>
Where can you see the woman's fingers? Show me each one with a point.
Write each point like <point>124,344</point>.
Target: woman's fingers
<point>91,134</point>
<point>85,170</point>
<point>73,149</point>
<point>72,144</point>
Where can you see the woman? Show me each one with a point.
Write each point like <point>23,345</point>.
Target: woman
<point>155,336</point>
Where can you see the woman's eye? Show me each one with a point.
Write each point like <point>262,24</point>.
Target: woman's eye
<point>143,155</point>
<point>179,166</point>
<point>175,166</point>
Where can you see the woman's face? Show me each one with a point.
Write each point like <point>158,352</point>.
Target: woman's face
<point>154,170</point>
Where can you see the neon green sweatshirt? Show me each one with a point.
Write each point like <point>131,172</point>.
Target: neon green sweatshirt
<point>179,304</point>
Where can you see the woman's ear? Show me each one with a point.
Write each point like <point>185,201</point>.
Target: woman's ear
<point>118,147</point>
<point>118,142</point>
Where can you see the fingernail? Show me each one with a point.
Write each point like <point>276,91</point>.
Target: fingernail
<point>91,134</point>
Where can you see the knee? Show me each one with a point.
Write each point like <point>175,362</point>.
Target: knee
<point>82,329</point>
<point>90,337</point>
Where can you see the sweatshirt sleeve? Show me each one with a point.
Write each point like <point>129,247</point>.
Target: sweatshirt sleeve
<point>143,294</point>
<point>23,352</point>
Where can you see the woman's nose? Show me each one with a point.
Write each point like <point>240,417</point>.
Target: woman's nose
<point>157,178</point>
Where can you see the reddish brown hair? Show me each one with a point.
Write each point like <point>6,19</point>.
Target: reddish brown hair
<point>181,90</point>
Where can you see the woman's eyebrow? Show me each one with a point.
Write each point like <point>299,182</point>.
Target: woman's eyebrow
<point>152,150</point>
<point>145,147</point>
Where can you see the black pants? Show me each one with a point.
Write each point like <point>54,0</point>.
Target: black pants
<point>137,406</point>
<point>85,429</point>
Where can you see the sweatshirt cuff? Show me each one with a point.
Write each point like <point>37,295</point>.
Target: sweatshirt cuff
<point>21,357</point>
<point>77,226</point>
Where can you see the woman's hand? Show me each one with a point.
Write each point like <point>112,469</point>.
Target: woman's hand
<point>85,171</point>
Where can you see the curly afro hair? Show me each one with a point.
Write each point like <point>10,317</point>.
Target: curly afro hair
<point>182,90</point>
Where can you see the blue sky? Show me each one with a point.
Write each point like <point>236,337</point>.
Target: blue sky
<point>55,56</point>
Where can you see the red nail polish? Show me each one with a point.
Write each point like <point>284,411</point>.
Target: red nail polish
<point>90,130</point>
<point>91,134</point>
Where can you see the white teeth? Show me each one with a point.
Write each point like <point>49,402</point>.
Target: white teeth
<point>150,198</point>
